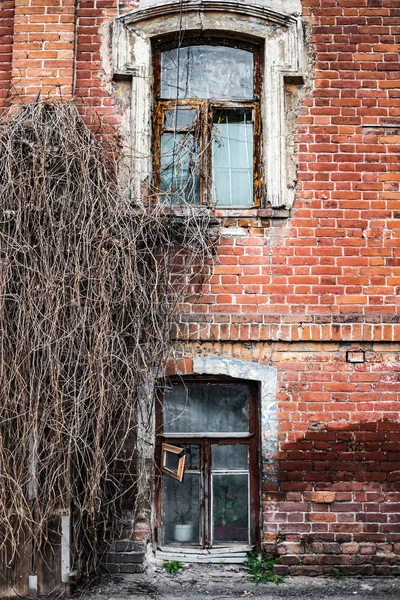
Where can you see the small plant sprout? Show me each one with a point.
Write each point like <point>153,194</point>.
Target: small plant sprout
<point>172,566</point>
<point>261,568</point>
<point>183,517</point>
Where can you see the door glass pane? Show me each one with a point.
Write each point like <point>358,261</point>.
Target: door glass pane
<point>181,510</point>
<point>229,458</point>
<point>206,408</point>
<point>180,180</point>
<point>230,508</point>
<point>232,157</point>
<point>192,453</point>
<point>207,72</point>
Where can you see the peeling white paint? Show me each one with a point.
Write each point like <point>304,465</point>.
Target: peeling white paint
<point>276,23</point>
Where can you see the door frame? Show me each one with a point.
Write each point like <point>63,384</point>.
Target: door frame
<point>253,440</point>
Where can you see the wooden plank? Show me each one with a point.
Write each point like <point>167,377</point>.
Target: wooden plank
<point>15,570</point>
<point>48,561</point>
<point>223,557</point>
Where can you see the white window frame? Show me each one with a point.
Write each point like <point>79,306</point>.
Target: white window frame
<point>282,37</point>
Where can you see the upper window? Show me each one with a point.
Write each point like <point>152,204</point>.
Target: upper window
<point>207,125</point>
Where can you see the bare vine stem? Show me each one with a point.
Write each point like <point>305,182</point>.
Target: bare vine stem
<point>90,287</point>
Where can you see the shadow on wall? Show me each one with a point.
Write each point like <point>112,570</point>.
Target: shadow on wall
<point>339,501</point>
<point>337,457</point>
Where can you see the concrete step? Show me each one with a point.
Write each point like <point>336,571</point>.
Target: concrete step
<point>128,546</point>
<point>125,557</point>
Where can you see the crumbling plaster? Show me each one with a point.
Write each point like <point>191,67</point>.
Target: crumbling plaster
<point>267,380</point>
<point>275,24</point>
<point>288,7</point>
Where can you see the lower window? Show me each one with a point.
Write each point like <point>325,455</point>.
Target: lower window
<point>212,429</point>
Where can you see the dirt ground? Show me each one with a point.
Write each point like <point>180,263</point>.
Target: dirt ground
<point>197,582</point>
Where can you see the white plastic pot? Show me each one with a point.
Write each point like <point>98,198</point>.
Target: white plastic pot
<point>183,533</point>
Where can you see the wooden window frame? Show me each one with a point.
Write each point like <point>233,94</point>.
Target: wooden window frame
<point>205,109</point>
<point>181,462</point>
<point>206,441</point>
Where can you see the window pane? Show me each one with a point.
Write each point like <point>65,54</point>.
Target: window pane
<point>181,510</point>
<point>230,508</point>
<point>206,408</point>
<point>207,72</point>
<point>232,157</point>
<point>192,453</point>
<point>229,458</point>
<point>180,118</point>
<point>171,461</point>
<point>180,181</point>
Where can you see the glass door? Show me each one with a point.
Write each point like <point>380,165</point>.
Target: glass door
<point>212,501</point>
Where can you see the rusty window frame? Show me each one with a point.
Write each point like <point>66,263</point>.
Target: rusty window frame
<point>206,441</point>
<point>205,108</point>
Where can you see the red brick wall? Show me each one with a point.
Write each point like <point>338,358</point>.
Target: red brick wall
<point>93,16</point>
<point>336,503</point>
<point>334,266</point>
<point>329,271</point>
<point>6,36</point>
<point>43,48</point>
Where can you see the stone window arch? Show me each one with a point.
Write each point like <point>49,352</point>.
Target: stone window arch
<point>281,35</point>
<point>214,417</point>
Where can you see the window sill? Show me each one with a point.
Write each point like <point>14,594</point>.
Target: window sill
<point>263,213</point>
<point>223,213</point>
<point>228,554</point>
<point>214,435</point>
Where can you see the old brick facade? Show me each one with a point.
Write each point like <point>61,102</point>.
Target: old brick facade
<point>293,289</point>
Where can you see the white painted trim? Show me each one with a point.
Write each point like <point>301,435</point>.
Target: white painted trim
<point>159,9</point>
<point>33,586</point>
<point>282,33</point>
<point>65,548</point>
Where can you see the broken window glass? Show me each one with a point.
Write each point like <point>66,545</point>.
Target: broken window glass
<point>206,408</point>
<point>207,72</point>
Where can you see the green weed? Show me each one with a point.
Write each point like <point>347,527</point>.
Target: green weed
<point>172,566</point>
<point>261,568</point>
<point>338,575</point>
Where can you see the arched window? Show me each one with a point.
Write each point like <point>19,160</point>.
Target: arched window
<point>222,64</point>
<point>207,124</point>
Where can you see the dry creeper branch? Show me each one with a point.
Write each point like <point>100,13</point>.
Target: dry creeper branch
<point>90,282</point>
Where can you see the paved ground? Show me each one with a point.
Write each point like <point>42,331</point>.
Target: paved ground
<point>215,583</point>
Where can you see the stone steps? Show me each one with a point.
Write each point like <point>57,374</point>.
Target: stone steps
<point>126,556</point>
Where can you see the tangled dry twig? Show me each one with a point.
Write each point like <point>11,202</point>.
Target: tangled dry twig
<point>90,282</point>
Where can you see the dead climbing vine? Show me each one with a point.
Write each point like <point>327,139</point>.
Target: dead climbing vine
<point>90,285</point>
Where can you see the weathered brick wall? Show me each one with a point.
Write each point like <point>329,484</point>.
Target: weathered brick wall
<point>335,504</point>
<point>330,271</point>
<point>91,83</point>
<point>327,273</point>
<point>43,48</point>
<point>6,37</point>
